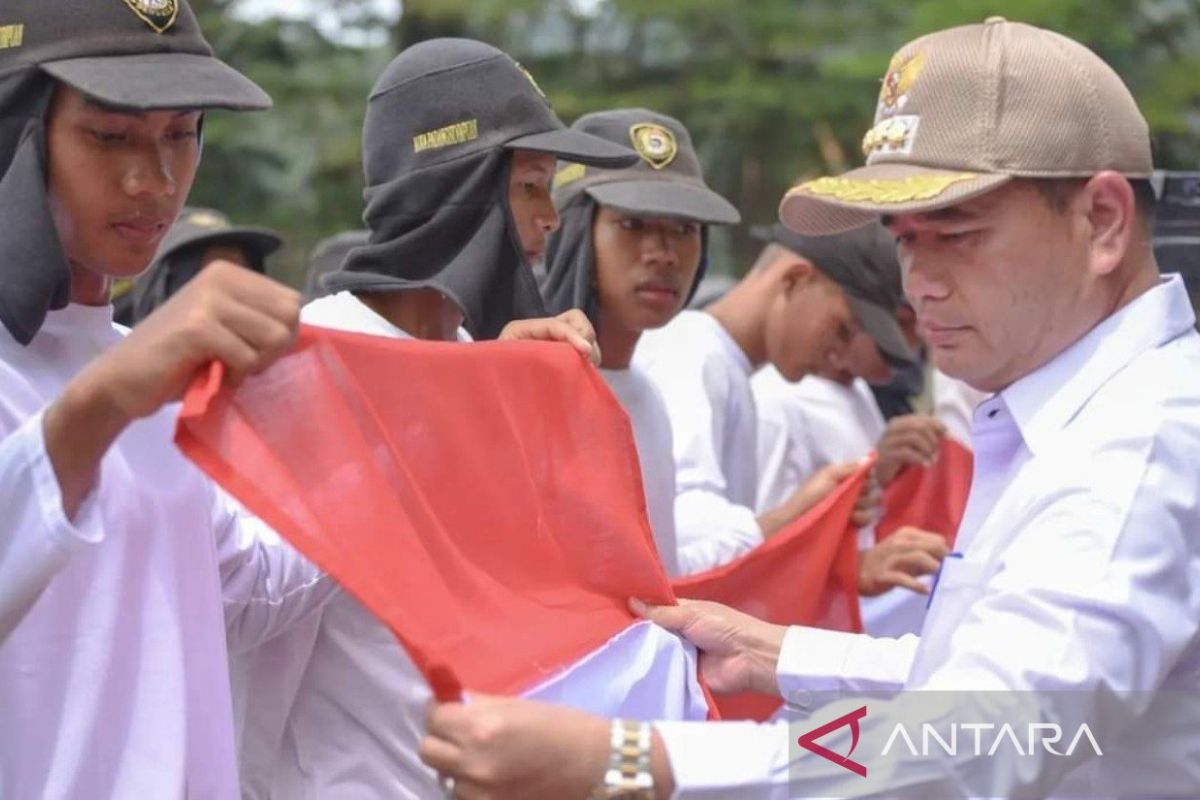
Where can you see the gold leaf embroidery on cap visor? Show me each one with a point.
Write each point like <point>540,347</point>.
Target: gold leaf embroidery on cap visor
<point>569,174</point>
<point>158,14</point>
<point>883,191</point>
<point>458,133</point>
<point>11,36</point>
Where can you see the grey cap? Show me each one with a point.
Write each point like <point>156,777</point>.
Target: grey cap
<point>444,99</point>
<point>666,180</point>
<point>135,54</point>
<point>863,263</point>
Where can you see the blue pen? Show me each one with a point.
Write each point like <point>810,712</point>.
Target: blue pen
<point>937,577</point>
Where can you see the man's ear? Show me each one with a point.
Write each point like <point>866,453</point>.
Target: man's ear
<point>1108,203</point>
<point>794,273</point>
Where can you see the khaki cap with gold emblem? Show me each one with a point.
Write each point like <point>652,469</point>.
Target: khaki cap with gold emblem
<point>965,110</point>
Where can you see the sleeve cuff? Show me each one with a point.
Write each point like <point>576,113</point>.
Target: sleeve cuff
<point>812,660</point>
<point>733,760</point>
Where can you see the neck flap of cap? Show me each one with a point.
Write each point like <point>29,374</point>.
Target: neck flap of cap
<point>34,277</point>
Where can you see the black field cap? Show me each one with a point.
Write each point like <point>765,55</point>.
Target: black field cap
<point>447,98</point>
<point>666,180</point>
<point>206,226</point>
<point>328,256</point>
<point>134,54</point>
<point>863,263</point>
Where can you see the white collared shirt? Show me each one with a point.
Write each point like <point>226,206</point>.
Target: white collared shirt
<point>114,624</point>
<point>704,378</point>
<point>1079,570</point>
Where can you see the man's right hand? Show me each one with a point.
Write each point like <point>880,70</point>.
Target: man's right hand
<point>226,313</point>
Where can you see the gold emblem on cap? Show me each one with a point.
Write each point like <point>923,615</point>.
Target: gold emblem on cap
<point>569,174</point>
<point>207,219</point>
<point>901,76</point>
<point>892,135</point>
<point>654,143</point>
<point>11,36</point>
<point>158,14</point>
<point>883,191</point>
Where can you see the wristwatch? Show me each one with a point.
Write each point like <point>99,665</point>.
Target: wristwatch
<point>628,776</point>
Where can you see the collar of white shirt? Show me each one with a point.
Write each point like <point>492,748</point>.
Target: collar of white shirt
<point>1044,401</point>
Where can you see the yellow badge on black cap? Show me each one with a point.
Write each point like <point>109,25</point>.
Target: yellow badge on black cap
<point>654,143</point>
<point>206,219</point>
<point>158,14</point>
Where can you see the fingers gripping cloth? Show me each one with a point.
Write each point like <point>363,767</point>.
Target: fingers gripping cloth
<point>930,498</point>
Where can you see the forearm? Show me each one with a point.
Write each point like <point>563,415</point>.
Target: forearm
<point>79,428</point>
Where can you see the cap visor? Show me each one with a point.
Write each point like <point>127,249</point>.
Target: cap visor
<point>833,205</point>
<point>881,325</point>
<point>582,148</point>
<point>258,240</point>
<point>666,198</point>
<point>161,81</point>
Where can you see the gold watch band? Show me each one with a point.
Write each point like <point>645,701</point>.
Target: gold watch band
<point>628,776</point>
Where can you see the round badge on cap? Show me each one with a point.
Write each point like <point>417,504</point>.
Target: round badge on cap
<point>654,143</point>
<point>158,14</point>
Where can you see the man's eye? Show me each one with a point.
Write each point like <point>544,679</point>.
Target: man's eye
<point>106,137</point>
<point>183,136</point>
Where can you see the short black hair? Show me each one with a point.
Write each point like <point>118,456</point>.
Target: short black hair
<point>1058,192</point>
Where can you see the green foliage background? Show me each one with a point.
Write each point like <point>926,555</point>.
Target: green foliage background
<point>772,90</point>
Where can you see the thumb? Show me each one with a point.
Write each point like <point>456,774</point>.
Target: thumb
<point>673,618</point>
<point>839,472</point>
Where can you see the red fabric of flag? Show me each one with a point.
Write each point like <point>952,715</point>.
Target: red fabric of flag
<point>930,498</point>
<point>483,500</point>
<point>806,574</point>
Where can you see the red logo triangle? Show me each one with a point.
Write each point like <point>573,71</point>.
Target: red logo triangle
<point>809,741</point>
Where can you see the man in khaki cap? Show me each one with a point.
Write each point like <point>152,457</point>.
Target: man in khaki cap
<point>1010,164</point>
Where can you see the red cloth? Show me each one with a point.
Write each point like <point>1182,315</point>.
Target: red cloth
<point>807,574</point>
<point>930,498</point>
<point>484,501</point>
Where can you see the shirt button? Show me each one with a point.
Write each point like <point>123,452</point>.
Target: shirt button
<point>800,698</point>
<point>992,414</point>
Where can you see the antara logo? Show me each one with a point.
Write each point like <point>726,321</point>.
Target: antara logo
<point>809,741</point>
<point>933,742</point>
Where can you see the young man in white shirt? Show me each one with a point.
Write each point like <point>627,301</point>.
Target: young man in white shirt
<point>831,416</point>
<point>630,253</point>
<point>122,569</point>
<point>1076,581</point>
<point>784,313</point>
<point>335,708</point>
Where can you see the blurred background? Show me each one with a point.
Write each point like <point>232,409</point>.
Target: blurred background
<point>772,90</point>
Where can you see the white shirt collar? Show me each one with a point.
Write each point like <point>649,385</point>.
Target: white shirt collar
<point>1044,401</point>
